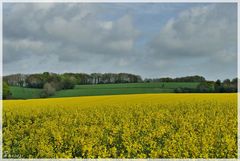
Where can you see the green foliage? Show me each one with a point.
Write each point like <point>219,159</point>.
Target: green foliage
<point>226,86</point>
<point>48,90</point>
<point>35,81</point>
<point>234,81</point>
<point>6,91</point>
<point>227,82</point>
<point>68,82</point>
<point>195,78</point>
<point>205,87</point>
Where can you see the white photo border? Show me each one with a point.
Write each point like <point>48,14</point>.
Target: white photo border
<point>114,1</point>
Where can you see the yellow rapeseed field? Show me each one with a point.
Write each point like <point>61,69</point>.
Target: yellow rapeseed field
<point>122,126</point>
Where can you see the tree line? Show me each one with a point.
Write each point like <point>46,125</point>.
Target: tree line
<point>195,78</point>
<point>52,82</point>
<point>226,86</point>
<point>38,80</point>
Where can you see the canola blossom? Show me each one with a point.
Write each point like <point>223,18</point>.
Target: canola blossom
<point>122,126</point>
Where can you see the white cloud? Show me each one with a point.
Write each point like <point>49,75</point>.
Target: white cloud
<point>197,32</point>
<point>76,27</point>
<point>83,37</point>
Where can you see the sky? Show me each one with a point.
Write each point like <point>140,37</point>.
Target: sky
<point>149,39</point>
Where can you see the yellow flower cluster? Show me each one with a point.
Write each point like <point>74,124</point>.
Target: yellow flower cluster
<point>123,126</point>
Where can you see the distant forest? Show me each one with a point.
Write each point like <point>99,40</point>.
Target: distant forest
<point>54,82</point>
<point>68,80</point>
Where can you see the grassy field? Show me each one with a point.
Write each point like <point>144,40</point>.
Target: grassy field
<point>24,93</point>
<point>127,88</point>
<point>166,85</point>
<point>104,89</point>
<point>122,126</point>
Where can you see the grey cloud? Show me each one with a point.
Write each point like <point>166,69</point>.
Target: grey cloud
<point>81,37</point>
<point>94,36</point>
<point>201,40</point>
<point>67,30</point>
<point>17,49</point>
<point>198,32</point>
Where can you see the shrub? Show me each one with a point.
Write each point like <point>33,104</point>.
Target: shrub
<point>48,90</point>
<point>6,91</point>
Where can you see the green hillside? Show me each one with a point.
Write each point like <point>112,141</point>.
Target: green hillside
<point>127,88</point>
<point>24,93</point>
<point>104,89</point>
<point>165,85</point>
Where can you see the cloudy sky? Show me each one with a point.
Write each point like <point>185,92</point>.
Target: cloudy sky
<point>149,39</point>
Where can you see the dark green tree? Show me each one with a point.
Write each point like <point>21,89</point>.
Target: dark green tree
<point>68,82</point>
<point>227,82</point>
<point>205,87</point>
<point>217,86</point>
<point>6,91</point>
